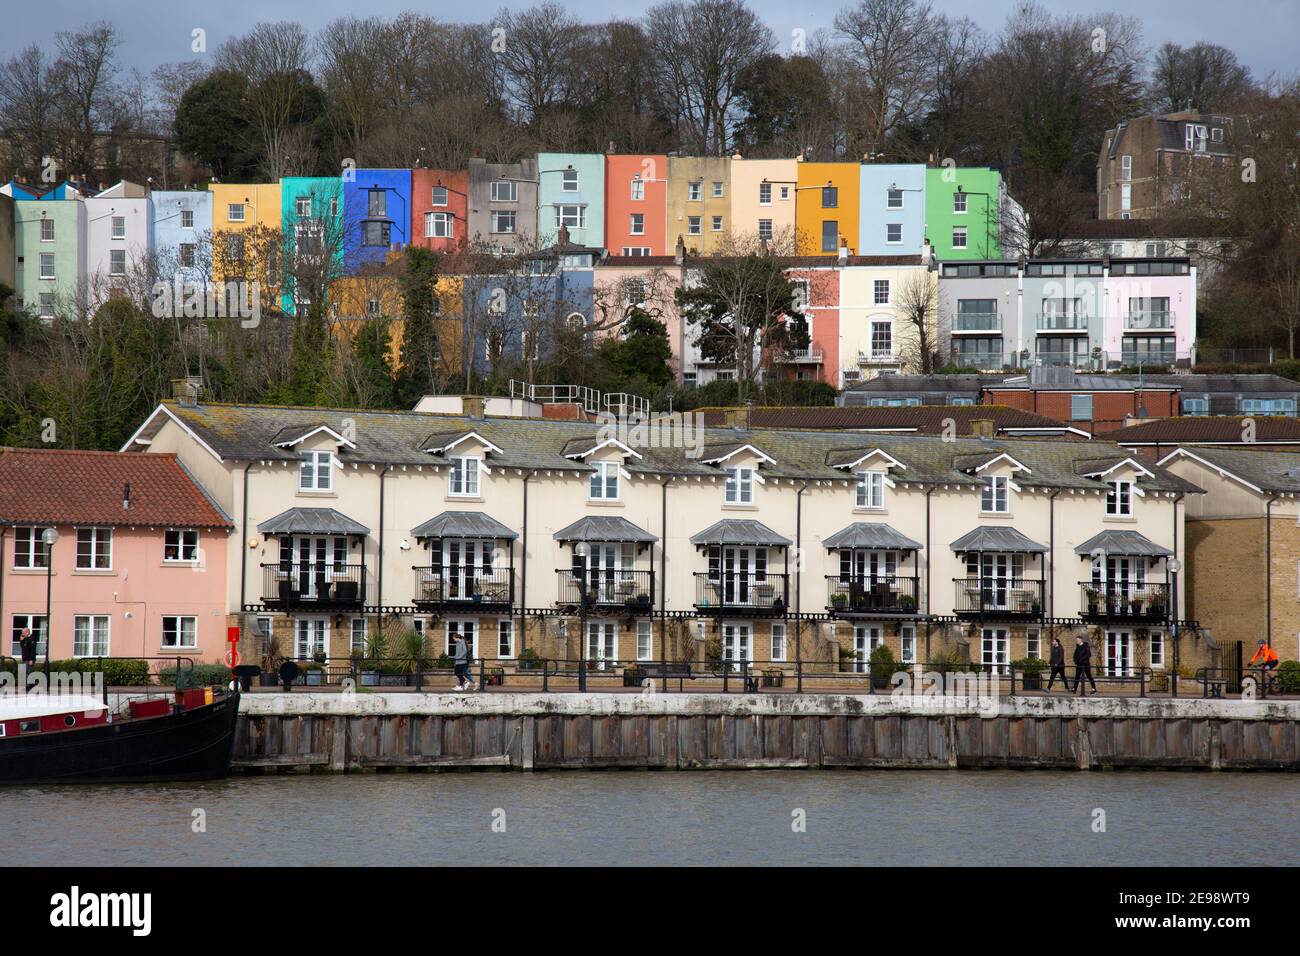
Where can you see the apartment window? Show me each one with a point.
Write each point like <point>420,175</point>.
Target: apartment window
<point>235,212</point>
<point>830,197</point>
<point>645,646</point>
<point>882,339</point>
<point>376,234</point>
<point>717,190</point>
<point>880,292</point>
<point>503,221</point>
<point>462,480</point>
<point>119,227</point>
<point>1194,137</point>
<point>47,230</point>
<point>717,224</point>
<point>604,481</point>
<point>635,292</point>
<point>117,262</point>
<point>47,265</point>
<point>314,471</point>
<point>30,552</point>
<point>94,549</point>
<point>373,307</point>
<point>636,251</point>
<point>181,544</point>
<point>959,203</point>
<point>778,642</point>
<point>1126,197</point>
<point>19,624</point>
<point>505,191</point>
<point>637,224</point>
<point>993,496</point>
<point>765,194</point>
<point>765,230</point>
<point>1081,408</point>
<point>570,216</point>
<point>871,490</point>
<point>894,199</point>
<point>830,235</point>
<point>739,489</point>
<point>1216,135</point>
<point>959,237</point>
<point>90,635</point>
<point>46,305</point>
<point>1196,406</point>
<point>235,248</point>
<point>801,298</point>
<point>689,379</point>
<point>357,633</point>
<point>785,192</point>
<point>1119,498</point>
<point>638,188</point>
<point>694,191</point>
<point>1125,168</point>
<point>302,206</point>
<point>693,226</point>
<point>570,181</point>
<point>506,638</point>
<point>1034,643</point>
<point>179,632</point>
<point>907,644</point>
<point>438,196</point>
<point>187,255</point>
<point>1157,649</point>
<point>893,233</point>
<point>377,203</point>
<point>437,225</point>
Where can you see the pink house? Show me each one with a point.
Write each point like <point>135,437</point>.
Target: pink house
<point>138,567</point>
<point>648,281</point>
<point>1150,312</point>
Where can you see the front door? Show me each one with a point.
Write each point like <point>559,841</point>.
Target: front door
<point>999,574</point>
<point>1119,654</point>
<point>735,644</point>
<point>463,562</point>
<point>993,649</point>
<point>314,560</point>
<point>311,636</point>
<point>465,629</point>
<point>742,570</point>
<point>866,638</point>
<point>602,644</point>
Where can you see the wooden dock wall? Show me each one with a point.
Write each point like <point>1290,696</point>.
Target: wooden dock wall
<point>691,732</point>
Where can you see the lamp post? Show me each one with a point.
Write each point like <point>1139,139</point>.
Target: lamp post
<point>49,536</point>
<point>580,549</point>
<point>1174,566</point>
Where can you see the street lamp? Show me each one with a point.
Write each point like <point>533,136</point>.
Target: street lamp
<point>1174,566</point>
<point>49,536</point>
<point>580,549</point>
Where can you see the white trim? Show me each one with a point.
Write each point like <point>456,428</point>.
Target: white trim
<point>605,444</point>
<point>189,431</point>
<point>1015,465</point>
<point>893,462</point>
<point>1127,461</point>
<point>339,439</point>
<point>737,451</point>
<point>452,444</point>
<point>1218,469</point>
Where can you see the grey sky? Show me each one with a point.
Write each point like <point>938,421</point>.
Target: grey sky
<point>1261,32</point>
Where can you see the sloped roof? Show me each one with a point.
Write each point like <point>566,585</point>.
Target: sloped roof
<point>312,521</point>
<point>463,524</point>
<point>740,531</point>
<point>996,538</point>
<point>863,534</point>
<point>1219,429</point>
<point>923,419</point>
<point>60,487</point>
<point>1130,543</point>
<point>1269,471</point>
<point>605,528</point>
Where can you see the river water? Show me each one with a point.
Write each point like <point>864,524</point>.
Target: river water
<point>896,817</point>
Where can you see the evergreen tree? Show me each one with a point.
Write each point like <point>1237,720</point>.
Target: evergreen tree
<point>419,353</point>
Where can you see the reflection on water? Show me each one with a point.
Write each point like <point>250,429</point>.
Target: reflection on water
<point>853,817</point>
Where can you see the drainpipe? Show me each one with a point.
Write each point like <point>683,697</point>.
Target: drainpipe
<point>243,545</point>
<point>663,574</point>
<point>1051,558</point>
<point>523,569</point>
<point>1268,569</point>
<point>798,580</point>
<point>1173,596</point>
<point>928,625</point>
<point>379,598</point>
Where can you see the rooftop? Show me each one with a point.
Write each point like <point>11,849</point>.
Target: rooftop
<point>1219,429</point>
<point>922,419</point>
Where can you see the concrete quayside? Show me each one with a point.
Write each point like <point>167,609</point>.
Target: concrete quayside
<point>355,732</point>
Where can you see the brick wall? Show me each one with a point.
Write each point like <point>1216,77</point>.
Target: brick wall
<point>1108,408</point>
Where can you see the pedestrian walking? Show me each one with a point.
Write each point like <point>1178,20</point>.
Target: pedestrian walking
<point>27,646</point>
<point>1057,662</point>
<point>460,661</point>
<point>1083,664</point>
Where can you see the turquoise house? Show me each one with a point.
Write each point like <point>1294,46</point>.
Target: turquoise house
<point>571,192</point>
<point>311,224</point>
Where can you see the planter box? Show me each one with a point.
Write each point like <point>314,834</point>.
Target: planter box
<point>632,677</point>
<point>314,678</point>
<point>773,678</point>
<point>392,680</point>
<point>1032,681</point>
<point>369,678</point>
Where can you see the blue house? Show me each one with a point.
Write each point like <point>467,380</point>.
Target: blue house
<point>571,193</point>
<point>376,214</point>
<point>180,231</point>
<point>891,220</point>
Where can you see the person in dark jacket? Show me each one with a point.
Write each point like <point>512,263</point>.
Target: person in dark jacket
<point>27,645</point>
<point>1057,662</point>
<point>460,662</point>
<point>1083,664</point>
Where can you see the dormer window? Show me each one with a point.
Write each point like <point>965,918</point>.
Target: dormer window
<point>1119,498</point>
<point>463,479</point>
<point>314,471</point>
<point>993,496</point>
<point>740,486</point>
<point>871,489</point>
<point>604,481</point>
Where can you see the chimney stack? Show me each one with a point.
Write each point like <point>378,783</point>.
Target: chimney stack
<point>981,427</point>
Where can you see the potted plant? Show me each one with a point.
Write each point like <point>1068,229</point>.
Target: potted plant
<point>529,660</point>
<point>320,657</point>
<point>1093,597</point>
<point>1031,670</point>
<point>907,603</point>
<point>882,666</point>
<point>633,674</point>
<point>376,653</point>
<point>838,601</point>
<point>494,677</point>
<point>411,652</point>
<point>772,677</point>
<point>312,673</point>
<point>848,659</point>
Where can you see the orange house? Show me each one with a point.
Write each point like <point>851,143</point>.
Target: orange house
<point>439,209</point>
<point>636,205</point>
<point>826,210</point>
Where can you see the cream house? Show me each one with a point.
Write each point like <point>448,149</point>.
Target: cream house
<point>768,546</point>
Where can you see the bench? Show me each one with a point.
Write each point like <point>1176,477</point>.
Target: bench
<point>668,670</point>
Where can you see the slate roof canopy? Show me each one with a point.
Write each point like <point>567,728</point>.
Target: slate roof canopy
<point>605,528</point>
<point>463,524</point>
<point>740,531</point>
<point>996,538</point>
<point>862,534</point>
<point>1125,543</point>
<point>312,521</point>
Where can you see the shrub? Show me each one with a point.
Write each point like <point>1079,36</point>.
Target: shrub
<point>882,662</point>
<point>529,660</point>
<point>202,675</point>
<point>1288,677</point>
<point>1030,666</point>
<point>118,671</point>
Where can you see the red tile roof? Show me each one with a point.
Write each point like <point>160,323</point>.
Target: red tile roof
<point>56,486</point>
<point>1216,429</point>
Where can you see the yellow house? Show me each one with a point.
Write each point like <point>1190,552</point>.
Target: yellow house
<point>246,234</point>
<point>879,315</point>
<point>699,202</point>
<point>357,298</point>
<point>826,212</point>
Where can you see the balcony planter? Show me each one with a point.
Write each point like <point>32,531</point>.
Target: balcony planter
<point>369,678</point>
<point>494,677</point>
<point>838,601</point>
<point>1031,671</point>
<point>640,602</point>
<point>907,603</point>
<point>392,680</point>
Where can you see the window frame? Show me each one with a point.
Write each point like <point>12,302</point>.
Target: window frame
<point>179,631</point>
<point>95,536</point>
<point>469,478</point>
<point>36,548</point>
<point>1119,498</point>
<point>181,546</point>
<point>869,491</point>
<point>598,483</point>
<point>738,487</point>
<point>93,651</point>
<point>995,485</point>
<point>315,471</point>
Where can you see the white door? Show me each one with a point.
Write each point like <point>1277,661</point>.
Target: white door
<point>1119,654</point>
<point>602,644</point>
<point>866,638</point>
<point>993,649</point>
<point>742,569</point>
<point>735,644</point>
<point>467,630</point>
<point>311,637</point>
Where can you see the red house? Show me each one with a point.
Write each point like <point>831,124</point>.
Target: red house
<point>439,209</point>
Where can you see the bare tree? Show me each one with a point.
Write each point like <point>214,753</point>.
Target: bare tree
<point>925,322</point>
<point>351,53</point>
<point>29,97</point>
<point>1202,77</point>
<point>85,71</point>
<point>539,56</point>
<point>275,58</point>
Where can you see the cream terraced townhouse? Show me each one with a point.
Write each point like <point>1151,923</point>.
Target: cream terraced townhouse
<point>768,546</point>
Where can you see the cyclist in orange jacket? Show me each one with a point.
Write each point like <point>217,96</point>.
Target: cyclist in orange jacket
<point>1265,657</point>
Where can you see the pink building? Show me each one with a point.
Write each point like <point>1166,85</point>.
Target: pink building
<point>648,281</point>
<point>139,565</point>
<point>1150,312</point>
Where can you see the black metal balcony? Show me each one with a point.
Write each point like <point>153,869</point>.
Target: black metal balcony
<point>307,585</point>
<point>1000,598</point>
<point>764,595</point>
<point>607,590</point>
<point>868,594</point>
<point>1121,601</point>
<point>442,588</point>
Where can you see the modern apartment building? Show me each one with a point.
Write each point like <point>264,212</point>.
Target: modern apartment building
<point>762,545</point>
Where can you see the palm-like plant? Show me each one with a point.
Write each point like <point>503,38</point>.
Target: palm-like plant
<point>412,652</point>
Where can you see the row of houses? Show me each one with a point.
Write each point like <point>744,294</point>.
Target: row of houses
<point>313,529</point>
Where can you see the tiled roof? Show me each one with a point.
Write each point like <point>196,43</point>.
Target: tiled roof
<point>923,419</point>
<point>1223,429</point>
<point>87,488</point>
<point>1270,471</point>
<point>1125,543</point>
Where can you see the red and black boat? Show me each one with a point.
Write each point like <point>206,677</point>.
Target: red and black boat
<point>62,739</point>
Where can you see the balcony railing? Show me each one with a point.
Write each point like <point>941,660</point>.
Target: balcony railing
<point>1122,601</point>
<point>1150,359</point>
<point>977,322</point>
<point>868,594</point>
<point>444,587</point>
<point>800,356</point>
<point>1052,322</point>
<point>985,360</point>
<point>310,584</point>
<point>724,593</point>
<point>607,590</point>
<point>1072,359</point>
<point>1148,321</point>
<point>999,597</point>
<point>875,357</point>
